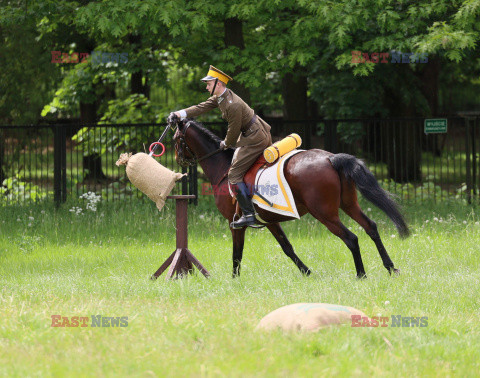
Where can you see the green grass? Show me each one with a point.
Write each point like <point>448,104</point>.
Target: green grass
<point>56,262</point>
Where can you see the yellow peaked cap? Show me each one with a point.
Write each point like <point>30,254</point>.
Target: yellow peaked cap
<point>215,73</point>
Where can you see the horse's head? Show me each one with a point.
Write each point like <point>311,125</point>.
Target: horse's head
<point>183,154</point>
<point>194,143</point>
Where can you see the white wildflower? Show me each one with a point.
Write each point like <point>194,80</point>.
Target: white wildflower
<point>31,218</point>
<point>387,303</point>
<point>92,200</point>
<point>76,210</point>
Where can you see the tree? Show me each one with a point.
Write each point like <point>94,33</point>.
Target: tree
<point>445,30</point>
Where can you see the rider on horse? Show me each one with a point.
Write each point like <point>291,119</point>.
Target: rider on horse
<point>246,131</point>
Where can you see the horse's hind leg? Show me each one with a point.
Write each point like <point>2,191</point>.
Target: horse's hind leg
<point>278,233</point>
<point>351,241</point>
<point>337,228</point>
<point>356,213</point>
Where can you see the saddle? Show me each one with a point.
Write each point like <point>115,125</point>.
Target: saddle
<point>251,174</point>
<point>249,178</point>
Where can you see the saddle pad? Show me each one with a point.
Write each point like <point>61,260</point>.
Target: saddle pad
<point>270,182</point>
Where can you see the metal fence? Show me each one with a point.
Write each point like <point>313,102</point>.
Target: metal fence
<point>408,162</point>
<point>59,162</point>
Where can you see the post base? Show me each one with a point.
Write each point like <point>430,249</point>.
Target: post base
<point>181,263</point>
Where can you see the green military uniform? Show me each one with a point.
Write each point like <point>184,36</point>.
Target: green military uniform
<point>246,131</point>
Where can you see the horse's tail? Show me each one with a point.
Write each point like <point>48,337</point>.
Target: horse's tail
<point>355,170</point>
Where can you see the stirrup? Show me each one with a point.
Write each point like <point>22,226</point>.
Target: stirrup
<point>245,221</point>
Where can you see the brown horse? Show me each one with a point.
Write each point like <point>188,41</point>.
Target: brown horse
<point>321,183</point>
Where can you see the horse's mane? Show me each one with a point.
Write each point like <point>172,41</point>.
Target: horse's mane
<point>208,134</point>
<point>203,130</point>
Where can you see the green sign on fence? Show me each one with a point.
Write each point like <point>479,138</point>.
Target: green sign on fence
<point>438,125</point>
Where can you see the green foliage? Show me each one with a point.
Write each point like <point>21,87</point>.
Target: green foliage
<point>311,38</point>
<point>77,86</point>
<point>27,78</point>
<point>134,109</point>
<point>16,191</point>
<point>427,192</point>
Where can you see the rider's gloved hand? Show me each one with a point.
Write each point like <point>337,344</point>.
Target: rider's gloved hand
<point>222,145</point>
<point>173,118</point>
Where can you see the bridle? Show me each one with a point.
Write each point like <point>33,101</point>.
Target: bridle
<point>181,147</point>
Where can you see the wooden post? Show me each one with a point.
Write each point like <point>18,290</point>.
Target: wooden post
<point>182,260</point>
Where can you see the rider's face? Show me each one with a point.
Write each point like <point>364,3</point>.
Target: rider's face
<point>211,84</point>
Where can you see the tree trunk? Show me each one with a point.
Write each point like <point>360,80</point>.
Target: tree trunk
<point>137,86</point>
<point>400,141</point>
<point>430,78</point>
<point>234,37</point>
<point>92,164</point>
<point>295,102</point>
<point>403,151</point>
<point>136,78</point>
<point>2,158</point>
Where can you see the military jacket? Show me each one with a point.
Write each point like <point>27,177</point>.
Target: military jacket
<point>241,130</point>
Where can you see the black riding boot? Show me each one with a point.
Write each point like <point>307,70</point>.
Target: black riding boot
<point>248,212</point>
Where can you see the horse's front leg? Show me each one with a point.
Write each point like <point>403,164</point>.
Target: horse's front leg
<point>238,237</point>
<point>278,233</point>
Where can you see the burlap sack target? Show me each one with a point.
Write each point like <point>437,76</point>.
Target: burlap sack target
<point>308,317</point>
<point>149,176</point>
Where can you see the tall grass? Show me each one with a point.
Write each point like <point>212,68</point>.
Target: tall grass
<point>71,263</point>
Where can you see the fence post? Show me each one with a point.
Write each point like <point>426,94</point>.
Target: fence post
<point>331,142</point>
<point>308,135</point>
<point>477,125</point>
<point>60,165</point>
<point>474,158</point>
<point>468,165</point>
<point>2,156</point>
<point>184,182</point>
<point>193,184</point>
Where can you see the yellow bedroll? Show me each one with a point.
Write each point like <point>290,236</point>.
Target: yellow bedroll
<point>282,147</point>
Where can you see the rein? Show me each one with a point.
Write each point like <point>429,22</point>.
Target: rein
<point>209,154</point>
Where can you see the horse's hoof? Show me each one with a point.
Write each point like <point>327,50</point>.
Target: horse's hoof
<point>394,270</point>
<point>306,272</point>
<point>362,276</point>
